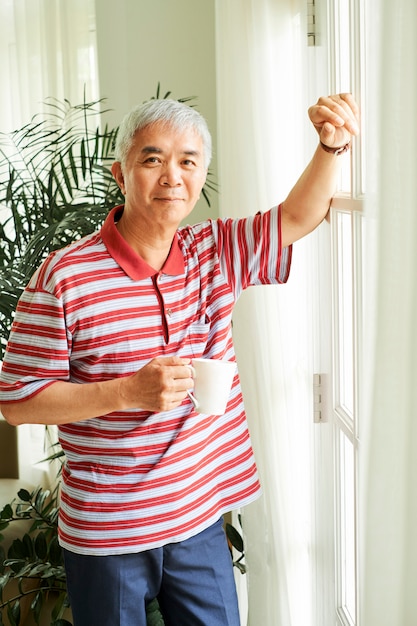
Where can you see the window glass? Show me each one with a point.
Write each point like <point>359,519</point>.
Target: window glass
<point>344,314</point>
<point>347,550</point>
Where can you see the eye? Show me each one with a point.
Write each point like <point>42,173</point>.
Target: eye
<point>188,163</point>
<point>152,160</point>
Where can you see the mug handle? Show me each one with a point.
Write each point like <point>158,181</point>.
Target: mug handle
<point>193,399</point>
<point>189,394</point>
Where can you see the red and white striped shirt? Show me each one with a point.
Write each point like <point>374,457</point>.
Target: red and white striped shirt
<point>93,311</point>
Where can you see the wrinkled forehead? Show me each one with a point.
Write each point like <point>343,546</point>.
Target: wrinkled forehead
<point>164,137</point>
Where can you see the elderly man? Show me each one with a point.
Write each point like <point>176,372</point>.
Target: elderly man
<point>101,343</point>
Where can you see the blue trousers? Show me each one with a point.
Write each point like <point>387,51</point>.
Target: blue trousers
<point>193,581</point>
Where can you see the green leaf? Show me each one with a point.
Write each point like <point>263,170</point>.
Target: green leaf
<point>56,610</point>
<point>36,606</point>
<point>234,537</point>
<point>7,512</point>
<point>4,579</point>
<point>59,606</point>
<point>24,495</point>
<point>28,546</point>
<point>41,548</point>
<point>17,550</point>
<point>73,167</point>
<point>36,524</point>
<point>153,614</point>
<point>39,569</point>
<point>55,552</point>
<point>16,565</point>
<point>83,157</point>
<point>47,571</point>
<point>13,613</point>
<point>240,566</point>
<point>53,515</point>
<point>23,511</point>
<point>41,498</point>
<point>56,455</point>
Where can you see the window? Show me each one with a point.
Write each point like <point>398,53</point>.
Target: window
<point>347,298</point>
<point>347,73</point>
<point>339,48</point>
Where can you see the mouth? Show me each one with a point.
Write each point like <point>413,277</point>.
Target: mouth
<point>169,199</point>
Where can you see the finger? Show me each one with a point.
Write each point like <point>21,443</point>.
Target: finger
<point>348,103</point>
<point>171,402</point>
<point>351,102</point>
<point>181,372</point>
<point>323,112</point>
<point>344,107</point>
<point>327,134</point>
<point>182,385</point>
<point>337,110</point>
<point>176,380</point>
<point>171,360</point>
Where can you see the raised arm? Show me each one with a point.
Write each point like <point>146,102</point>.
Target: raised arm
<point>336,119</point>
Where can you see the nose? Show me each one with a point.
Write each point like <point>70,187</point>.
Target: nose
<point>171,176</point>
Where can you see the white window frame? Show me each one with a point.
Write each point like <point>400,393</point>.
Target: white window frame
<point>334,603</point>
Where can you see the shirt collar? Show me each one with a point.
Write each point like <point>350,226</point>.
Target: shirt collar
<point>131,262</point>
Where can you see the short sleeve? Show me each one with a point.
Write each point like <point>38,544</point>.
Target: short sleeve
<point>250,250</point>
<point>38,348</point>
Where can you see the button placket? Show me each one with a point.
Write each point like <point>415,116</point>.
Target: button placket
<point>157,279</point>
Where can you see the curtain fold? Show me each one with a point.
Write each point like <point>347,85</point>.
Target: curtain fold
<point>47,49</point>
<point>389,486</point>
<point>262,125</point>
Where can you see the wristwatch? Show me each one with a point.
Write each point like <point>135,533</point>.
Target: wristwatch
<point>336,151</point>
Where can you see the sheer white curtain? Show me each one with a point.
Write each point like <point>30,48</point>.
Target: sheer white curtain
<point>262,122</point>
<point>47,48</point>
<point>389,450</point>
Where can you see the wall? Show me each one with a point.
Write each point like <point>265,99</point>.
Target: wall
<point>141,43</point>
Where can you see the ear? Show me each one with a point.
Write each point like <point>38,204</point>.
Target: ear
<point>116,170</point>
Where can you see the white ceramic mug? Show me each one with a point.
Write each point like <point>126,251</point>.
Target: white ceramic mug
<point>213,380</point>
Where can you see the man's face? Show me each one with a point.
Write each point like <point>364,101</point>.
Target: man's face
<point>163,175</point>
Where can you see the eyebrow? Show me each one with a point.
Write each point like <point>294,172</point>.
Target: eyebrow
<point>155,150</point>
<point>149,149</point>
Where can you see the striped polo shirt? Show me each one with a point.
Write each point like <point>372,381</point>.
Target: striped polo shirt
<point>94,311</point>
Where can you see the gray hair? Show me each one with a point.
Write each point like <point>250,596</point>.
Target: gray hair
<point>173,113</point>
